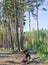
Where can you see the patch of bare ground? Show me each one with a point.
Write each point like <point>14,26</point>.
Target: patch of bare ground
<point>16,59</point>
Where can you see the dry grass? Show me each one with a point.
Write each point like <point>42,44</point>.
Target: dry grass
<point>9,59</point>
<point>13,59</point>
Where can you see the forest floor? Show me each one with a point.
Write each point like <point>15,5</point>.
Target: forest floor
<point>15,59</point>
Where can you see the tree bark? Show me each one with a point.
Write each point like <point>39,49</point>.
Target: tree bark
<point>16,25</point>
<point>9,28</point>
<point>37,23</point>
<point>21,28</point>
<point>30,39</point>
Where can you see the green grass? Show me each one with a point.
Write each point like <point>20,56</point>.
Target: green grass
<point>44,57</point>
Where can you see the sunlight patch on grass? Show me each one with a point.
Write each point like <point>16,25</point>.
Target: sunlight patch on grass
<point>9,60</point>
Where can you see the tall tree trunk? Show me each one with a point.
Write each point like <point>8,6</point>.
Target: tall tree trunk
<point>4,37</point>
<point>29,23</point>
<point>9,29</point>
<point>3,33</point>
<point>12,43</point>
<point>30,39</point>
<point>16,25</point>
<point>21,28</point>
<point>37,23</point>
<point>5,41</point>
